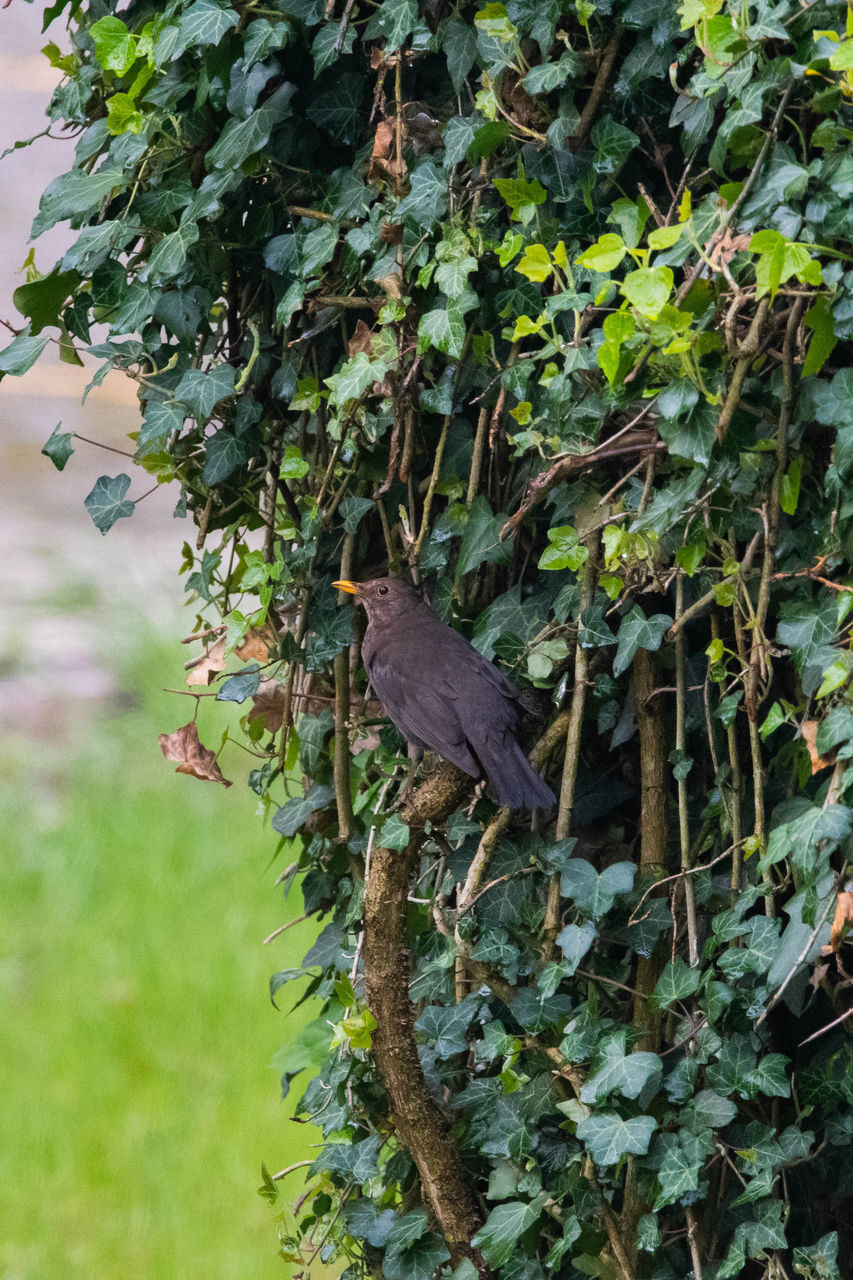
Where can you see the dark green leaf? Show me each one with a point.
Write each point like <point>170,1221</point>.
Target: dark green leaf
<point>607,1137</point>
<point>21,354</point>
<point>675,983</point>
<point>223,454</point>
<point>241,139</point>
<point>58,447</point>
<point>497,1237</point>
<point>296,812</point>
<point>638,632</point>
<point>241,686</point>
<point>106,502</point>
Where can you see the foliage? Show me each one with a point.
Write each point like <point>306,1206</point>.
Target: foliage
<point>548,304</point>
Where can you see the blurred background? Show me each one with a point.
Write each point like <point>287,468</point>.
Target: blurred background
<point>138,1083</point>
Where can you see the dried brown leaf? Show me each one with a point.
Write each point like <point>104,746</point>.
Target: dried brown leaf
<point>842,922</point>
<point>269,703</point>
<point>361,339</point>
<point>209,665</point>
<point>256,646</point>
<point>193,758</point>
<point>809,729</point>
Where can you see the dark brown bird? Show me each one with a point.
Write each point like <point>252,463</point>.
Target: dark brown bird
<point>442,694</point>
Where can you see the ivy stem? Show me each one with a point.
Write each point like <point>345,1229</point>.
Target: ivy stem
<point>343,790</point>
<point>681,779</point>
<point>573,747</point>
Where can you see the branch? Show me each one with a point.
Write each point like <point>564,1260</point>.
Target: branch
<point>540,486</point>
<point>446,1184</point>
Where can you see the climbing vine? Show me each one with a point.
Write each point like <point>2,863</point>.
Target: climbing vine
<point>547,306</point>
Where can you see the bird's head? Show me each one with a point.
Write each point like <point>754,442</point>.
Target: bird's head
<point>383,598</point>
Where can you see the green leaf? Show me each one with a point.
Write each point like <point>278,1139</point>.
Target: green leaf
<point>648,289</point>
<point>680,1169</point>
<point>160,419</point>
<point>204,22</point>
<point>427,200</point>
<point>574,942</point>
<point>802,837</point>
<point>481,542</point>
<point>613,144</point>
<point>115,47</point>
<point>638,632</point>
<point>566,550</point>
<point>201,390</point>
<point>819,319</point>
<point>593,631</point>
<point>43,300</point>
<point>353,509</point>
<point>444,330</point>
<point>355,376</point>
<point>551,75</point>
<point>608,1137</point>
<point>393,21</point>
<point>106,502</point>
<point>293,465</point>
<point>338,111</point>
<point>594,894</point>
<point>21,354</point>
<point>395,833</point>
<point>614,1071</point>
<point>521,196</point>
<point>241,686</point>
<point>419,1262</point>
<point>460,47</point>
<point>497,1237</point>
<point>295,813</point>
<point>241,139</point>
<point>171,252</point>
<point>58,447</point>
<point>605,255</point>
<point>675,983</point>
<point>452,277</point>
<point>223,454</point>
<point>790,490</point>
<point>535,264</point>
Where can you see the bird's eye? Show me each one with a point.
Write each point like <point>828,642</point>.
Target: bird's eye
<point>383,591</point>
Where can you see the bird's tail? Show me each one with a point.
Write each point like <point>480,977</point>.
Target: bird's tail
<point>514,781</point>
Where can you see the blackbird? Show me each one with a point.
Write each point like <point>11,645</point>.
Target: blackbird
<point>442,694</point>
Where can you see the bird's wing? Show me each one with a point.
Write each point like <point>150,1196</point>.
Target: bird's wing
<point>423,710</point>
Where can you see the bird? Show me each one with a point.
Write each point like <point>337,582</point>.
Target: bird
<point>442,694</point>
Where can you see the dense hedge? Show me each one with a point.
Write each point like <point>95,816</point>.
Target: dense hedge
<point>549,306</point>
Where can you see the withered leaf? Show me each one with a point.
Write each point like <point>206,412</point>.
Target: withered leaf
<point>193,758</point>
<point>211,662</point>
<point>269,703</point>
<point>361,339</point>
<point>842,922</point>
<point>256,646</point>
<point>809,729</point>
<point>383,157</point>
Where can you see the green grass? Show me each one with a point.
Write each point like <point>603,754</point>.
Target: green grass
<point>137,1097</point>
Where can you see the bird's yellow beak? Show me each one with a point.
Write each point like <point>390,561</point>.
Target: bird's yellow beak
<point>352,588</point>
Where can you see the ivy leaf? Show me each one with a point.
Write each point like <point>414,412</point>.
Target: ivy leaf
<point>615,1071</point>
<point>497,1237</point>
<point>575,941</point>
<point>481,542</point>
<point>593,631</point>
<point>241,686</point>
<point>355,376</point>
<point>460,47</point>
<point>419,1262</point>
<point>394,20</point>
<point>202,390</point>
<point>605,255</point>
<point>204,22</point>
<point>58,447</point>
<point>339,110</point>
<point>295,813</point>
<point>158,422</point>
<point>594,894</point>
<point>819,319</point>
<point>638,632</point>
<point>22,353</point>
<point>608,1137</point>
<point>241,139</point>
<point>395,833</point>
<point>171,253</point>
<point>427,199</point>
<point>106,502</point>
<point>675,983</point>
<point>730,1073</point>
<point>223,454</point>
<point>648,289</point>
<point>535,264</point>
<point>566,550</point>
<point>613,144</point>
<point>521,196</point>
<point>447,1026</point>
<point>679,1172</point>
<point>444,330</point>
<point>75,193</point>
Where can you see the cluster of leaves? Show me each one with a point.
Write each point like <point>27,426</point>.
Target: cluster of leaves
<point>549,304</point>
